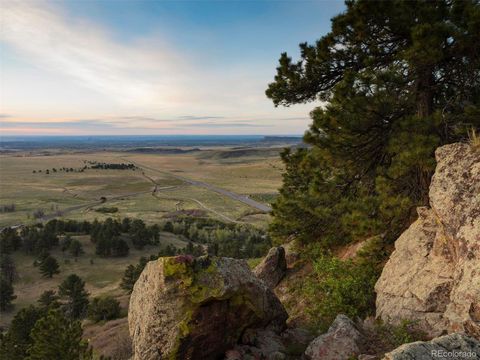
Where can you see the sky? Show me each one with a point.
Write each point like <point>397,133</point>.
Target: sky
<point>151,67</point>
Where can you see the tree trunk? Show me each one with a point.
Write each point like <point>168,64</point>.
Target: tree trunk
<point>424,93</point>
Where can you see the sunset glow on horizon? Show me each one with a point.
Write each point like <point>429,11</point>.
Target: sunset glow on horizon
<point>131,68</point>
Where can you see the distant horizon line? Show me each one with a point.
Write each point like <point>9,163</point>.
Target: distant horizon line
<point>152,135</point>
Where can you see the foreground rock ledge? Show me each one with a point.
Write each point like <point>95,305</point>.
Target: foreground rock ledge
<point>433,276</point>
<point>453,346</point>
<point>196,308</point>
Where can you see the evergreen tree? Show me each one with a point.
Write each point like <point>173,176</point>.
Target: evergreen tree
<point>17,340</point>
<point>130,276</point>
<point>398,79</point>
<point>120,248</point>
<point>6,294</point>
<point>7,268</point>
<point>168,227</point>
<point>72,290</point>
<point>49,266</point>
<point>48,299</point>
<point>75,248</point>
<point>66,241</point>
<point>57,337</point>
<point>9,240</point>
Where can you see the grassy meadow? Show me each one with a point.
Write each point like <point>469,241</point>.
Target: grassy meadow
<point>76,195</point>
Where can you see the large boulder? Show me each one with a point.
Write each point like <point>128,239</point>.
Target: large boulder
<point>453,346</point>
<point>197,308</point>
<point>433,276</point>
<point>273,267</point>
<point>343,341</point>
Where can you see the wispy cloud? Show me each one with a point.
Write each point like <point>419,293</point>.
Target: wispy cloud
<point>136,72</point>
<point>78,124</point>
<point>212,124</point>
<point>143,84</point>
<point>192,117</point>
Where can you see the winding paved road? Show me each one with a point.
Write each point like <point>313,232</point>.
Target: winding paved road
<point>242,198</point>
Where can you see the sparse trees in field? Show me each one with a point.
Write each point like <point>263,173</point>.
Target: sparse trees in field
<point>72,290</point>
<point>49,266</point>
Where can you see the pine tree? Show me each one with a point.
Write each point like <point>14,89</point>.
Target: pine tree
<point>48,299</point>
<point>57,337</point>
<point>130,276</point>
<point>72,289</point>
<point>75,248</point>
<point>6,294</point>
<point>49,266</point>
<point>119,247</point>
<point>398,79</point>
<point>17,340</point>
<point>7,268</point>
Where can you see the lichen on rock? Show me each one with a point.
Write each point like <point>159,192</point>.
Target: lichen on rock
<point>196,308</point>
<point>433,276</point>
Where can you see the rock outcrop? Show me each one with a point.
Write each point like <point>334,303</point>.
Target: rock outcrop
<point>273,267</point>
<point>453,346</point>
<point>433,276</point>
<point>342,342</point>
<point>198,308</point>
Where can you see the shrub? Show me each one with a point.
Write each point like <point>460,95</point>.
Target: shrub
<point>474,140</point>
<point>340,287</point>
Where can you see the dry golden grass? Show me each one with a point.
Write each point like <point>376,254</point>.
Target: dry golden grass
<point>474,139</point>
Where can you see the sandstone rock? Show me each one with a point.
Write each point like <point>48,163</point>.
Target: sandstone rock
<point>187,308</point>
<point>341,342</point>
<point>433,276</point>
<point>453,346</point>
<point>273,267</point>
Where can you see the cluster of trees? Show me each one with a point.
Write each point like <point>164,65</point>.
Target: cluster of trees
<point>397,80</point>
<point>132,272</point>
<point>108,236</point>
<point>52,329</point>
<point>64,169</point>
<point>231,240</point>
<point>95,165</point>
<point>107,210</point>
<point>113,166</point>
<point>206,236</point>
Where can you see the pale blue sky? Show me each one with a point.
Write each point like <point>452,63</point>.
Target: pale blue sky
<point>151,67</point>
